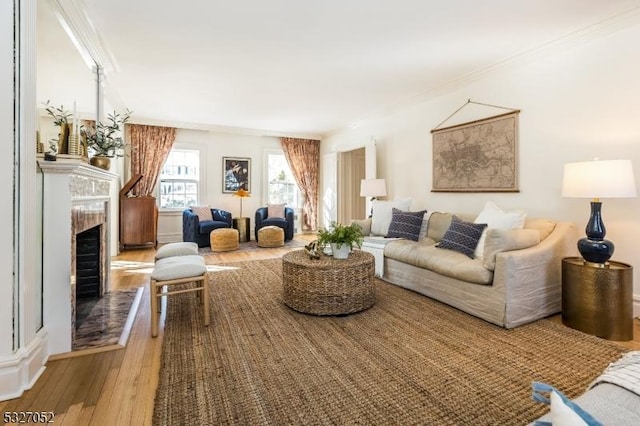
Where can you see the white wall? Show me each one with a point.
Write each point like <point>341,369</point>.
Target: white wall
<point>213,147</point>
<point>576,104</point>
<point>6,175</point>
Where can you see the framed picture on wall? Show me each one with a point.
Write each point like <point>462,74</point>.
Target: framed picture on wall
<point>479,156</point>
<point>236,174</point>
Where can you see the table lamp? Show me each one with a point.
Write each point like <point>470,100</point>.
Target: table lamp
<point>373,188</point>
<point>598,179</point>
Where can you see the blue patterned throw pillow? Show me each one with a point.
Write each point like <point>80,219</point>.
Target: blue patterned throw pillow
<point>405,224</point>
<point>563,410</point>
<point>462,236</point>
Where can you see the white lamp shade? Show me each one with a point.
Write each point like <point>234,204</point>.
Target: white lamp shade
<point>373,188</point>
<point>599,179</point>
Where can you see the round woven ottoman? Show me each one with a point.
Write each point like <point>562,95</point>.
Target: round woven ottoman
<point>270,236</point>
<point>224,239</point>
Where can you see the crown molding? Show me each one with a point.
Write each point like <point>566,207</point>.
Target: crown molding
<point>74,18</point>
<point>223,129</point>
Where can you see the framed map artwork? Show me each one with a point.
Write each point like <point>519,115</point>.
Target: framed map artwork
<point>479,156</point>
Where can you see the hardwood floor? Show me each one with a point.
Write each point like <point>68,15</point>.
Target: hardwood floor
<point>118,386</point>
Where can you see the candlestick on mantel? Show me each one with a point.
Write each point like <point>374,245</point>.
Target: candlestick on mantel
<point>74,123</point>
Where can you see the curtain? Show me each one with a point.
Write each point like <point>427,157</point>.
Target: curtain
<point>150,146</point>
<point>303,156</point>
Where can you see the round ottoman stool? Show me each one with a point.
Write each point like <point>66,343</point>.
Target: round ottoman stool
<point>224,239</point>
<point>270,236</point>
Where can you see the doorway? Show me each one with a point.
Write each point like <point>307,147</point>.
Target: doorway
<point>351,170</point>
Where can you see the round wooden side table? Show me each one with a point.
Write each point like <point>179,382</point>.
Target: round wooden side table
<point>328,286</point>
<point>598,298</point>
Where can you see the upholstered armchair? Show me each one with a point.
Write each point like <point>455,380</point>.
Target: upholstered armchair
<point>286,222</point>
<point>197,231</point>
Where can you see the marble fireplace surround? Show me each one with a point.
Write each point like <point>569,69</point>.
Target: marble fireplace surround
<point>76,197</point>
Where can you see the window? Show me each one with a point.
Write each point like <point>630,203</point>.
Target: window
<point>282,187</point>
<point>179,179</point>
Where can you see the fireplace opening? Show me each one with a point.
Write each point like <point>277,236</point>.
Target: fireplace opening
<point>88,270</point>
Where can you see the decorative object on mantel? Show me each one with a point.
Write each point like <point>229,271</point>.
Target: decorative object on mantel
<point>61,119</point>
<point>242,193</point>
<point>39,145</point>
<point>477,156</point>
<point>595,180</point>
<point>105,139</point>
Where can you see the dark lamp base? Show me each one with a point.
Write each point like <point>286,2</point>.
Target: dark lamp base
<point>595,251</point>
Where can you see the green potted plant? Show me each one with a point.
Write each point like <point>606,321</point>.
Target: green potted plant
<point>105,139</point>
<point>341,238</point>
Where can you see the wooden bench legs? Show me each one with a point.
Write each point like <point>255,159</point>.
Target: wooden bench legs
<point>198,284</point>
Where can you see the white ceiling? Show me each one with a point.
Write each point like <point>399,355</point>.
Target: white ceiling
<point>298,67</point>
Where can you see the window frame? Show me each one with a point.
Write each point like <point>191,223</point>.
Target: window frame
<point>265,188</point>
<point>200,183</point>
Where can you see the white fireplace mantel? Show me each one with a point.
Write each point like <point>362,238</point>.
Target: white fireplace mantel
<point>70,185</point>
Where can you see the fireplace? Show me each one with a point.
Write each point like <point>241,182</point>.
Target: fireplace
<point>78,201</point>
<point>89,260</point>
<point>88,264</point>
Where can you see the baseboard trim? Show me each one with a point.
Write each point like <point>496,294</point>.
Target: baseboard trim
<point>20,371</point>
<point>169,238</point>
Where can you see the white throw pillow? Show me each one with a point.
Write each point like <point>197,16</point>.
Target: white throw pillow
<point>203,212</point>
<point>497,218</point>
<point>563,414</point>
<point>382,214</point>
<point>275,210</point>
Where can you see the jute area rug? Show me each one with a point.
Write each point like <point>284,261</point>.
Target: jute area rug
<point>406,360</point>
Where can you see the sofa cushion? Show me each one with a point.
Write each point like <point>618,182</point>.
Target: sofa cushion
<point>438,224</point>
<point>275,221</point>
<point>499,240</point>
<point>222,215</point>
<point>462,236</point>
<point>424,254</point>
<point>203,212</point>
<point>177,249</point>
<point>405,224</point>
<point>381,216</point>
<point>364,224</point>
<point>209,225</point>
<point>543,226</point>
<point>171,268</point>
<point>497,218</point>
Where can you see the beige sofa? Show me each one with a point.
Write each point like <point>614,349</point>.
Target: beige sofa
<point>517,281</point>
